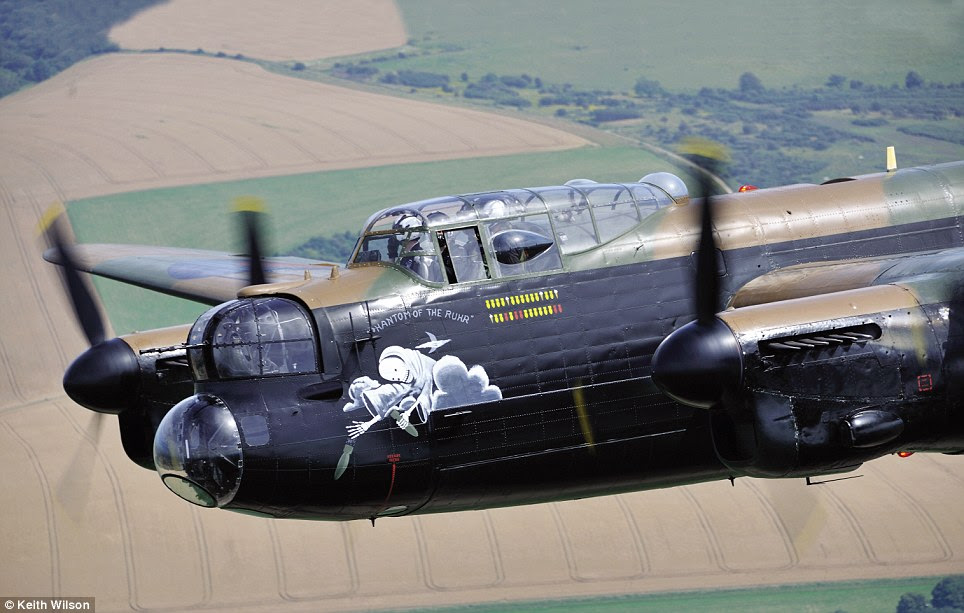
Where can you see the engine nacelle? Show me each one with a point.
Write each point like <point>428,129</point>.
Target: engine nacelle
<point>822,393</point>
<point>137,377</point>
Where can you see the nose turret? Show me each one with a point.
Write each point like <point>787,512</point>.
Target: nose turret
<point>197,451</point>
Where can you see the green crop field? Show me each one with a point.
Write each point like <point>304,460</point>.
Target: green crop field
<point>688,45</point>
<point>851,596</point>
<point>848,158</point>
<point>307,205</point>
<point>813,70</point>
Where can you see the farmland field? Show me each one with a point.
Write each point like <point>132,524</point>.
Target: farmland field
<point>816,76</point>
<point>82,519</point>
<point>124,122</point>
<point>294,29</point>
<point>849,596</point>
<point>689,45</point>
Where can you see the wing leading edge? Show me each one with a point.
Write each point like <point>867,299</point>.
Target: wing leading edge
<point>208,277</point>
<point>820,278</point>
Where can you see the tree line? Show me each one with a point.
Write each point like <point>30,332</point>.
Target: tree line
<point>946,597</point>
<point>40,38</point>
<point>333,248</point>
<point>766,129</point>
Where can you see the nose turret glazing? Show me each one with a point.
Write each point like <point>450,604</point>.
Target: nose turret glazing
<point>197,451</point>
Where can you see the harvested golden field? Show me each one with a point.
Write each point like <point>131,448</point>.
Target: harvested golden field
<point>128,122</point>
<point>282,30</point>
<point>79,519</point>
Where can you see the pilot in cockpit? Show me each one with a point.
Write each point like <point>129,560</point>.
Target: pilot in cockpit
<point>425,266</point>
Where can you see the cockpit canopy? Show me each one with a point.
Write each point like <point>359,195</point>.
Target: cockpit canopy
<point>473,237</point>
<point>254,337</point>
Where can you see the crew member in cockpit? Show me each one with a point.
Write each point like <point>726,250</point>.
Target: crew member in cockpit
<point>425,266</point>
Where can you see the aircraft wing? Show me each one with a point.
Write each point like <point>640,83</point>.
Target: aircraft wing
<point>208,277</point>
<point>809,307</point>
<point>819,278</point>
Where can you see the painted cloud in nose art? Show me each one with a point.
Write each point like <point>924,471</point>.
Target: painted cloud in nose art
<point>457,385</point>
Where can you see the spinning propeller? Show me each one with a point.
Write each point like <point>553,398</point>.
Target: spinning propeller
<point>75,285</point>
<point>107,377</point>
<point>701,365</point>
<point>251,212</point>
<point>698,362</point>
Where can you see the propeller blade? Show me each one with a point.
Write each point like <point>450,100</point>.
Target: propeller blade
<point>698,362</point>
<point>707,156</point>
<point>251,210</point>
<point>800,507</point>
<point>75,485</point>
<point>77,287</point>
<point>707,280</point>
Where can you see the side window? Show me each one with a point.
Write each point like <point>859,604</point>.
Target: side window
<point>462,255</point>
<point>570,215</point>
<point>416,253</point>
<point>646,201</point>
<point>614,209</point>
<point>411,250</point>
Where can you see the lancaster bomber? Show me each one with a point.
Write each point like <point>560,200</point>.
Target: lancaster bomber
<point>530,345</point>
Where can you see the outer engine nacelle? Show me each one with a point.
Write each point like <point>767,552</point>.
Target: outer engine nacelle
<point>137,377</point>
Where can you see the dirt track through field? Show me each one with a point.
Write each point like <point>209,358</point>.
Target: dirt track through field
<point>79,519</point>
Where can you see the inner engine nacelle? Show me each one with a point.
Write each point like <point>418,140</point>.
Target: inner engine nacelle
<point>821,393</point>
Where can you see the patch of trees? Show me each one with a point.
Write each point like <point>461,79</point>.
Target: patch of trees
<point>769,131</point>
<point>332,248</point>
<point>567,95</point>
<point>416,78</point>
<point>750,83</point>
<point>648,88</point>
<point>929,101</point>
<point>873,122</point>
<point>775,135</point>
<point>40,38</point>
<point>614,114</point>
<point>519,82</point>
<point>945,133</point>
<point>492,87</point>
<point>946,597</point>
<point>362,71</point>
<point>499,89</point>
